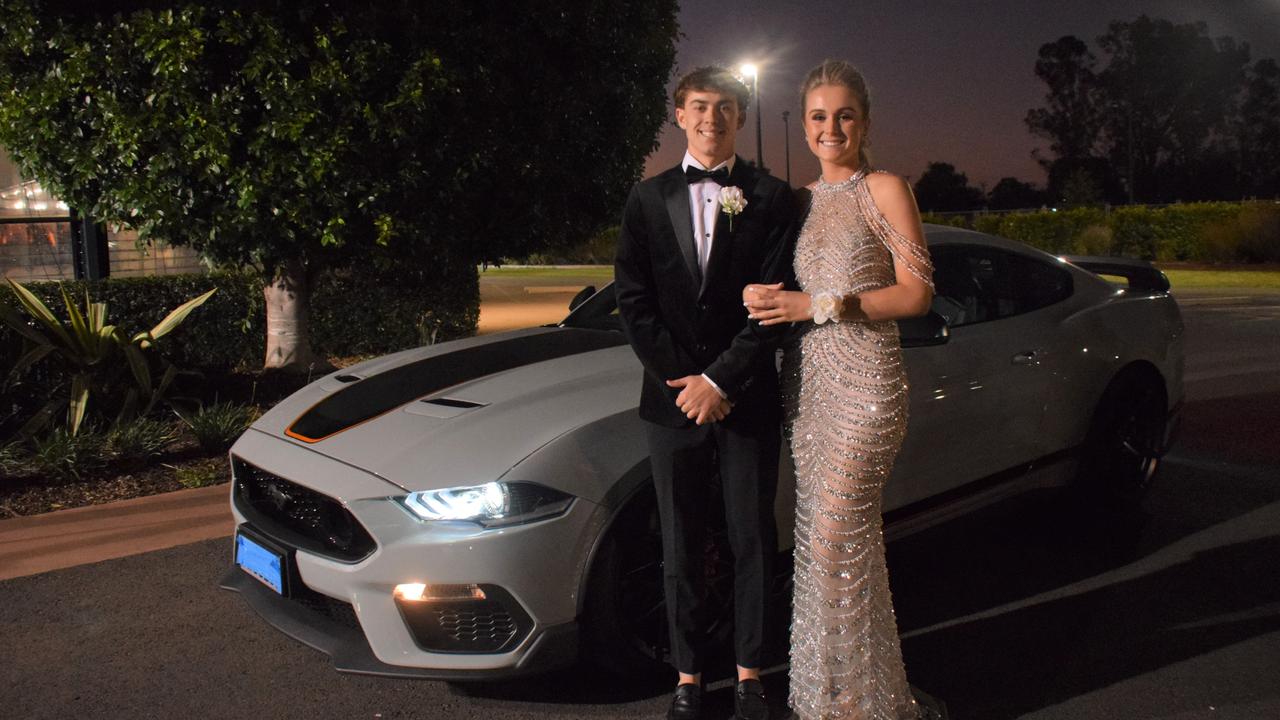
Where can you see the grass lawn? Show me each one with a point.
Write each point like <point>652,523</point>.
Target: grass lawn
<point>1182,279</point>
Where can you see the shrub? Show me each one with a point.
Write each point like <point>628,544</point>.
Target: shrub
<point>354,312</point>
<point>201,474</point>
<point>218,425</point>
<point>12,459</point>
<point>598,249</point>
<point>373,311</point>
<point>98,356</point>
<point>1094,240</point>
<point>958,220</point>
<point>62,456</point>
<point>1252,236</point>
<point>137,440</point>
<point>1211,231</point>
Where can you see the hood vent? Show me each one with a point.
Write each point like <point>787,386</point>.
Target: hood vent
<point>451,403</point>
<point>442,407</point>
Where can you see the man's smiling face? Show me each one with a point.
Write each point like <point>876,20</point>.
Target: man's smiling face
<point>710,120</point>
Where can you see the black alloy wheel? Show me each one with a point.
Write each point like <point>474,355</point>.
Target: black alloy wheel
<point>1126,440</point>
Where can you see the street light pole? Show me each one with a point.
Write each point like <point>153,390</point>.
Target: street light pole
<point>786,142</point>
<point>751,71</point>
<point>759,129</point>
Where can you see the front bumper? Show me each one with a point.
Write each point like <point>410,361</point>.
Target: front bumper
<point>538,570</point>
<point>331,627</point>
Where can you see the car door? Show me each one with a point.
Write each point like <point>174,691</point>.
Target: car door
<point>979,400</point>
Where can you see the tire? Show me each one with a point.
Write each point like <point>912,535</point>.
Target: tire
<point>624,627</point>
<point>1125,442</point>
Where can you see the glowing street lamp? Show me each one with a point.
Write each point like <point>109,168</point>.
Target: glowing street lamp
<point>749,70</point>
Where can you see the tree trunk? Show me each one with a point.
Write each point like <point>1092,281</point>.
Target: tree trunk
<point>288,304</point>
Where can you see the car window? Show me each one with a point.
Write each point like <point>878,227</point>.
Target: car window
<point>975,284</point>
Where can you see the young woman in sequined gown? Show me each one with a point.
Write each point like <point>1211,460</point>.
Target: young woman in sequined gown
<point>860,259</point>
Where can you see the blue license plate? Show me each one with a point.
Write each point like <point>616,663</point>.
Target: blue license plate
<point>260,562</point>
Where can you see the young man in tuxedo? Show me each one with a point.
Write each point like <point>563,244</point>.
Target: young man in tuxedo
<point>710,389</point>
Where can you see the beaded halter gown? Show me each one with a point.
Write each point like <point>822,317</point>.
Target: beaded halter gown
<point>845,395</point>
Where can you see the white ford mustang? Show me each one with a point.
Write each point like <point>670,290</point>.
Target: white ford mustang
<point>482,508</point>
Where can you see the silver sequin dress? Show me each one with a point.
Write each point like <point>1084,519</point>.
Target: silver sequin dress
<point>845,395</point>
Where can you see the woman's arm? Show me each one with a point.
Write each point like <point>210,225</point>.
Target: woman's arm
<point>909,296</point>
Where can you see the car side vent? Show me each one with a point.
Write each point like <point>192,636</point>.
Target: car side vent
<point>346,378</point>
<point>451,403</point>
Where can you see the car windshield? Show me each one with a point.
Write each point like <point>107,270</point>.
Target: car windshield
<point>598,312</point>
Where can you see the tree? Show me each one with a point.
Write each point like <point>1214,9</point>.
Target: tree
<point>1172,89</point>
<point>1072,118</point>
<point>1012,194</point>
<point>1260,130</point>
<point>1160,112</point>
<point>942,189</point>
<point>421,138</point>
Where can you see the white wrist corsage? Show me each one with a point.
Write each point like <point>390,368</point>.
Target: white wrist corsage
<point>827,306</point>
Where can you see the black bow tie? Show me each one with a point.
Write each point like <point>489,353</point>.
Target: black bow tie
<point>719,177</point>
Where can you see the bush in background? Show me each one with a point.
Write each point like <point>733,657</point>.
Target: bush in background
<point>373,311</point>
<point>368,311</point>
<point>598,249</point>
<point>64,457</point>
<point>1200,232</point>
<point>202,474</point>
<point>138,440</point>
<point>218,425</point>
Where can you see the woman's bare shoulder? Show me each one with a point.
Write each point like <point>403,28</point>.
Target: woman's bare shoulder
<point>887,187</point>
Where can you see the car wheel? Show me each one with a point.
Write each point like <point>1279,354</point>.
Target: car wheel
<point>1125,442</point>
<point>625,628</point>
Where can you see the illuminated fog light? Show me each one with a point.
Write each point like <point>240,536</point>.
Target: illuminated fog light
<point>421,592</point>
<point>410,591</point>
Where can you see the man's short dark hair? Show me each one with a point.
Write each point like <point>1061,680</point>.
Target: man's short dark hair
<point>715,79</point>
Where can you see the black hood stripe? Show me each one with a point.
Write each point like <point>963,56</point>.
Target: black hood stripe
<point>386,391</point>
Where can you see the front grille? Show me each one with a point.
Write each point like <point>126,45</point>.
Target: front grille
<point>474,627</point>
<point>495,624</point>
<point>297,515</point>
<point>336,610</point>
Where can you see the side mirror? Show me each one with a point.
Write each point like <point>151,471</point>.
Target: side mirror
<point>923,331</point>
<point>581,297</point>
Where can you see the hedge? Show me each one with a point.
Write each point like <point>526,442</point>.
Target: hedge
<point>352,313</point>
<point>1200,232</point>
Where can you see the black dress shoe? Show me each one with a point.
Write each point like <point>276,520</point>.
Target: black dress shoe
<point>686,704</point>
<point>749,702</point>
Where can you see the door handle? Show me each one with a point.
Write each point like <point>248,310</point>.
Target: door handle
<point>1028,357</point>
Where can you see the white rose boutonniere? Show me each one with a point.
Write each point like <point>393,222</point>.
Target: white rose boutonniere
<point>827,306</point>
<point>732,203</point>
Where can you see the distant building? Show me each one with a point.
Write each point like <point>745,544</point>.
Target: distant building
<point>36,238</point>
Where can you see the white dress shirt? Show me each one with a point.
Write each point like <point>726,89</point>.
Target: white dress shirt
<point>704,207</point>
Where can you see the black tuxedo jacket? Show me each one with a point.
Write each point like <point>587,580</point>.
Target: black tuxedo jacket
<point>680,322</point>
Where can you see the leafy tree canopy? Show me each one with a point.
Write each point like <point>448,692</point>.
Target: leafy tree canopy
<point>1164,109</point>
<point>1012,194</point>
<point>267,132</point>
<point>944,189</point>
<point>421,138</point>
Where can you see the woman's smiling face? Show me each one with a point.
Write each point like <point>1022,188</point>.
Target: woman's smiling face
<point>835,125</point>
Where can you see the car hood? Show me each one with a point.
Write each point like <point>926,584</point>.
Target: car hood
<point>463,412</point>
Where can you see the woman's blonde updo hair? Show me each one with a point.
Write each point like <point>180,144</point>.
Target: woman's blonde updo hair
<point>839,72</point>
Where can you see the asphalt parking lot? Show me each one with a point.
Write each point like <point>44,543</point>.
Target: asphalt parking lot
<point>1032,608</point>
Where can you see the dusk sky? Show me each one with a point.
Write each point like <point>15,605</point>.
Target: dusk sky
<point>951,80</point>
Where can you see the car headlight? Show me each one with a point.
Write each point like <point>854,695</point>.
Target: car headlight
<point>495,504</point>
